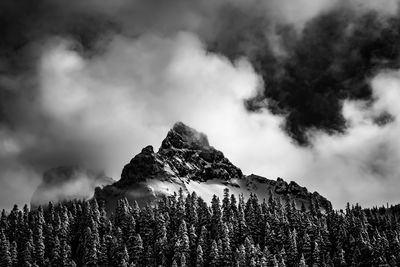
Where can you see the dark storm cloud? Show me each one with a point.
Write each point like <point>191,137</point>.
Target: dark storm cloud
<point>331,59</point>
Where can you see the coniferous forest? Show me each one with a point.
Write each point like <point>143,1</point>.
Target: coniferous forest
<point>186,231</point>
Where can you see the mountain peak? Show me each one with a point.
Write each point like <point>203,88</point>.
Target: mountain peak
<point>185,154</point>
<point>183,136</point>
<point>187,161</point>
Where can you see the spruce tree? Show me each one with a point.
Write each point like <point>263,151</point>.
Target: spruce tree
<point>5,255</point>
<point>55,253</point>
<point>275,262</point>
<point>183,260</point>
<point>199,257</point>
<point>302,262</point>
<point>14,254</point>
<point>263,262</point>
<point>103,259</point>
<point>226,253</point>
<point>216,217</point>
<point>136,251</point>
<point>65,255</point>
<point>90,250</point>
<point>214,255</point>
<point>38,243</point>
<point>183,246</point>
<point>316,260</point>
<point>226,207</point>
<point>241,257</point>
<point>26,257</point>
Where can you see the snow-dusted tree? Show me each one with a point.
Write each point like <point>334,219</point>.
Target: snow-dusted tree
<point>5,255</point>
<point>199,257</point>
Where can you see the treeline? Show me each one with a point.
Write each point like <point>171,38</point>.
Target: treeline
<point>185,231</point>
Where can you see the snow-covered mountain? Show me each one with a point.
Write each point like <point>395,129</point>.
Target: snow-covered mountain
<point>186,161</point>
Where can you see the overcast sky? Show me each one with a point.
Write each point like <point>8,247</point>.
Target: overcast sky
<point>94,81</point>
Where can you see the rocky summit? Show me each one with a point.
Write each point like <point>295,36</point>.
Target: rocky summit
<point>185,154</point>
<point>186,161</point>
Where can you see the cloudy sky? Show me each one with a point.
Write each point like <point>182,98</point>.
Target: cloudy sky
<point>307,90</point>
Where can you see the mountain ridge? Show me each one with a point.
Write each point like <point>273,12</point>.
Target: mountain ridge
<point>186,160</point>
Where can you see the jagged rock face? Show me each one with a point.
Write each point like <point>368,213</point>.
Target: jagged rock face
<point>184,154</point>
<point>183,137</point>
<point>290,191</point>
<point>67,183</point>
<point>143,166</point>
<point>186,161</point>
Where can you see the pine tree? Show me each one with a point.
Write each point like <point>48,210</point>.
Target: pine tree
<point>306,248</point>
<point>103,258</point>
<point>191,206</point>
<point>146,224</point>
<point>275,262</point>
<point>340,258</point>
<point>292,248</point>
<point>38,241</point>
<point>48,239</point>
<point>199,257</point>
<point>192,244</point>
<point>182,244</point>
<point>302,262</point>
<point>316,260</point>
<point>226,253</point>
<point>65,255</point>
<point>160,237</point>
<point>263,262</point>
<point>252,262</point>
<point>14,254</point>
<point>241,257</point>
<point>121,215</point>
<point>26,257</point>
<point>136,250</point>
<point>226,207</point>
<point>56,253</point>
<point>90,251</point>
<point>123,255</point>
<point>3,221</point>
<point>5,255</point>
<point>214,255</point>
<point>183,260</point>
<point>202,240</point>
<point>216,217</point>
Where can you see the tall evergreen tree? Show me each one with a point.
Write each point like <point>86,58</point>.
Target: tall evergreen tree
<point>214,255</point>
<point>90,251</point>
<point>5,255</point>
<point>136,250</point>
<point>302,262</point>
<point>14,254</point>
<point>199,257</point>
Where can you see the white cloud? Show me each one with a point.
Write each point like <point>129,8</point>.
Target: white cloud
<point>130,96</point>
